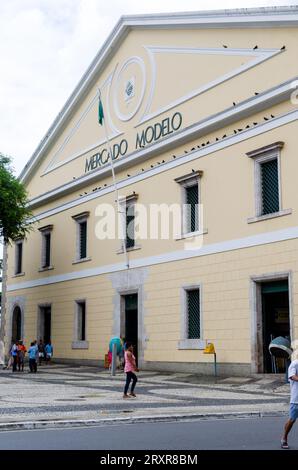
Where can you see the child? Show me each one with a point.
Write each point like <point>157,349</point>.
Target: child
<point>130,368</point>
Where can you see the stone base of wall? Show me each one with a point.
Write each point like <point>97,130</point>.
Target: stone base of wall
<point>223,369</point>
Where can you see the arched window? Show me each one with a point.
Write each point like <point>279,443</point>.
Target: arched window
<point>16,324</point>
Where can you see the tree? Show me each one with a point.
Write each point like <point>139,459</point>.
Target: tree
<point>14,211</point>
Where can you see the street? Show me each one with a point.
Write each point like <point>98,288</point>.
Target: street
<point>222,434</point>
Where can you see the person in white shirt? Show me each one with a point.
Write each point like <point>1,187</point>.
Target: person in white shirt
<point>293,413</point>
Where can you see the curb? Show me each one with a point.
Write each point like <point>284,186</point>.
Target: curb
<point>54,424</point>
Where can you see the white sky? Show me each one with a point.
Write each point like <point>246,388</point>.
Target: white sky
<point>46,46</point>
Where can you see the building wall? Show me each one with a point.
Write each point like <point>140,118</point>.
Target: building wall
<point>233,251</point>
<point>227,306</point>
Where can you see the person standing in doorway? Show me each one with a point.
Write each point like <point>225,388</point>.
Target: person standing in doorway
<point>293,413</point>
<point>33,352</point>
<point>130,368</point>
<point>48,352</point>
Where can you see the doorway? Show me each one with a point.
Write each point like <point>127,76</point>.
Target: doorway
<point>130,323</point>
<point>275,321</point>
<point>45,323</point>
<point>16,333</point>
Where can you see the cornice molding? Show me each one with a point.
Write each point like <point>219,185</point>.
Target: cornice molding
<point>212,123</point>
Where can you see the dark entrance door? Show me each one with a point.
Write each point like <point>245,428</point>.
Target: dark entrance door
<point>45,324</point>
<point>131,321</point>
<point>16,324</point>
<point>276,320</point>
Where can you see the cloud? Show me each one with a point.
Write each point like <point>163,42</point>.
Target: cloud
<point>46,46</point>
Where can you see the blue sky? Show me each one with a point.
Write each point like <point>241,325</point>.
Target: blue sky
<point>46,46</point>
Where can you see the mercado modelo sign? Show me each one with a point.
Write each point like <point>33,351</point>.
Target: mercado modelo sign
<point>145,137</point>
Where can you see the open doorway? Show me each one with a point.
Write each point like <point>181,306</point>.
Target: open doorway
<point>16,333</point>
<point>275,320</point>
<point>130,321</point>
<point>271,317</point>
<point>44,323</point>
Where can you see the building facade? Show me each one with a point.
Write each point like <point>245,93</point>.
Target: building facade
<point>201,116</point>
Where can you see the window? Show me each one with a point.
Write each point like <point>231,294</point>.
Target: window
<point>127,205</point>
<point>269,187</point>
<point>46,246</point>
<point>80,326</point>
<point>82,234</point>
<point>191,334</point>
<point>130,226</point>
<point>81,319</point>
<point>19,257</point>
<point>190,202</point>
<point>193,314</point>
<point>83,239</point>
<point>267,182</point>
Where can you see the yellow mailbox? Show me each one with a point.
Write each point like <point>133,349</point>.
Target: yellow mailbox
<point>209,349</point>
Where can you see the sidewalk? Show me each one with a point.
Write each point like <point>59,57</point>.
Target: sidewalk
<point>64,395</point>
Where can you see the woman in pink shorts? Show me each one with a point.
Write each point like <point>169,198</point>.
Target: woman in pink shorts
<point>130,369</point>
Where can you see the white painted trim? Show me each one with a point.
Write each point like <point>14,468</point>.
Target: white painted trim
<point>220,247</point>
<point>140,62</point>
<point>281,213</point>
<point>191,156</point>
<point>251,18</point>
<point>260,55</point>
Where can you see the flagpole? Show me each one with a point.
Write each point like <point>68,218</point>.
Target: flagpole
<point>115,188</point>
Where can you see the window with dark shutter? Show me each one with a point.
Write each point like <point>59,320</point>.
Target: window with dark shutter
<point>270,187</point>
<point>83,240</point>
<point>19,257</point>
<point>193,314</point>
<point>130,226</point>
<point>192,200</point>
<point>47,248</point>
<point>81,321</point>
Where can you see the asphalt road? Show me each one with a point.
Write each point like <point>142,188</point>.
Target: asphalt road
<point>241,434</point>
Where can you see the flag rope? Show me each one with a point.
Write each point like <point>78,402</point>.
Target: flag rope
<point>101,119</point>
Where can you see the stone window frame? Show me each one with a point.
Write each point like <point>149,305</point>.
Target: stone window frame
<point>187,343</point>
<point>79,219</point>
<point>78,343</point>
<point>260,156</point>
<point>186,181</point>
<point>45,231</point>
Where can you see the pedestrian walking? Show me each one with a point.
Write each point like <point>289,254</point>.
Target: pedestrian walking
<point>21,355</point>
<point>14,354</point>
<point>130,368</point>
<point>293,413</point>
<point>41,352</point>
<point>33,352</point>
<point>48,352</point>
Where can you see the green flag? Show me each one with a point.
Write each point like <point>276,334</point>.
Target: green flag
<point>100,112</point>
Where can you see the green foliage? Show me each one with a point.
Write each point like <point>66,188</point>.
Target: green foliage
<point>14,212</point>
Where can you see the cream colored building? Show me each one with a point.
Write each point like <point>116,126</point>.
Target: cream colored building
<point>201,109</point>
